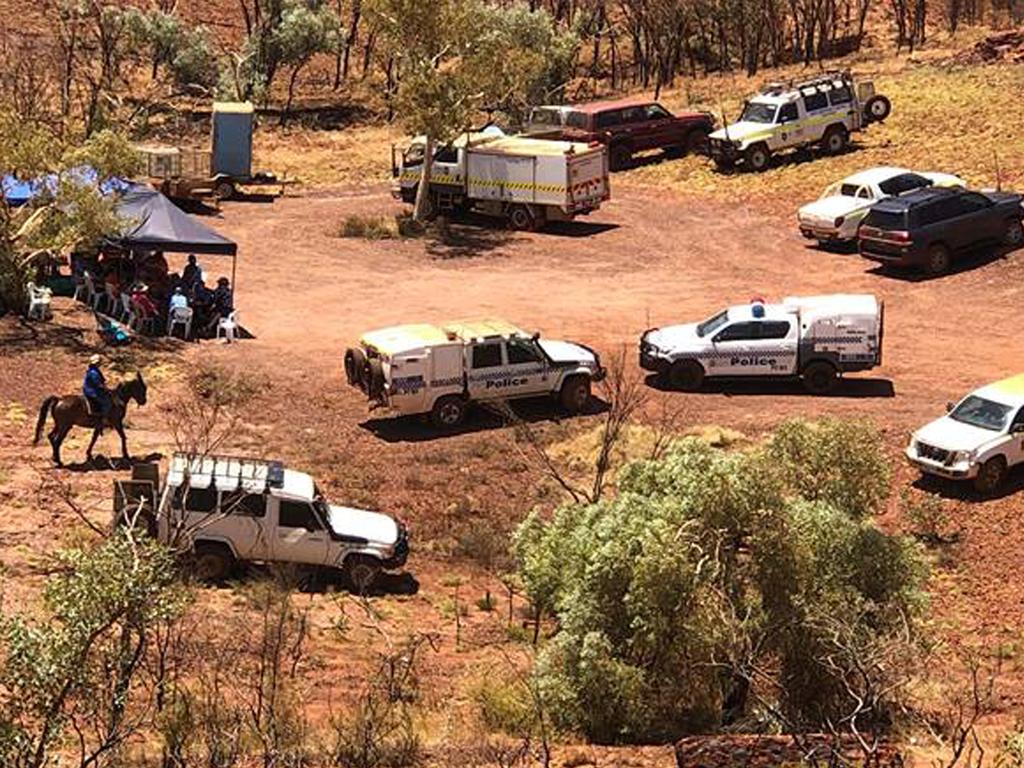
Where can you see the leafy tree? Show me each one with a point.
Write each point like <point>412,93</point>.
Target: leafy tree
<point>714,578</point>
<point>279,34</point>
<point>78,666</point>
<point>185,51</point>
<point>67,214</point>
<point>458,57</point>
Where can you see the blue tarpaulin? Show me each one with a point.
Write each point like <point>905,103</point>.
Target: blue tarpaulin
<point>18,192</point>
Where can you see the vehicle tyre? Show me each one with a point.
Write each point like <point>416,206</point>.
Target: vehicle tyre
<point>835,140</point>
<point>448,411</point>
<point>724,164</point>
<point>225,190</point>
<point>939,260</point>
<point>991,476</point>
<point>141,523</point>
<point>620,157</point>
<point>757,157</point>
<point>1013,235</point>
<point>355,361</point>
<point>361,572</point>
<point>697,142</point>
<point>686,375</point>
<point>373,373</point>
<point>820,377</point>
<point>877,108</point>
<point>212,562</point>
<point>575,393</point>
<point>521,218</point>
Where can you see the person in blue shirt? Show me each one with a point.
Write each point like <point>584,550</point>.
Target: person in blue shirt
<point>95,388</point>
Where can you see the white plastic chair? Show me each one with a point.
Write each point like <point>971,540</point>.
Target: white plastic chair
<point>138,321</point>
<point>110,300</point>
<point>92,296</point>
<point>39,302</point>
<point>180,316</point>
<point>125,311</point>
<point>227,326</point>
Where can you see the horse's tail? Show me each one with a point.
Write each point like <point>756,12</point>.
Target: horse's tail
<point>44,411</point>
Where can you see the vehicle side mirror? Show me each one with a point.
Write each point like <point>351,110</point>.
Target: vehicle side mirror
<point>536,335</point>
<point>950,406</point>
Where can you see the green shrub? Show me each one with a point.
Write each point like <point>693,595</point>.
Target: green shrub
<point>709,561</point>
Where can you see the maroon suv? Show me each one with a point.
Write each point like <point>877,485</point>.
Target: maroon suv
<point>627,127</point>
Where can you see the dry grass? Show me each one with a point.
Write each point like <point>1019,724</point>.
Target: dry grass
<point>945,118</point>
<point>356,156</point>
<point>381,227</point>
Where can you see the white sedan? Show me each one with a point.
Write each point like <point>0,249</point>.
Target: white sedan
<point>835,216</point>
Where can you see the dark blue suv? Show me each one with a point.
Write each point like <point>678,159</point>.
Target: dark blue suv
<point>927,228</point>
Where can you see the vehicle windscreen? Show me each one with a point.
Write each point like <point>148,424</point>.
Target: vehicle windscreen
<point>754,112</point>
<point>905,182</point>
<point>576,120</point>
<point>712,324</point>
<point>546,118</point>
<point>979,412</point>
<point>413,155</point>
<point>320,503</point>
<point>888,220</point>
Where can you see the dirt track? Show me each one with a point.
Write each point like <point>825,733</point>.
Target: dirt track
<point>642,260</point>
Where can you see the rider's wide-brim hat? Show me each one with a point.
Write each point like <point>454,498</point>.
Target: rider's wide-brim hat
<point>94,360</point>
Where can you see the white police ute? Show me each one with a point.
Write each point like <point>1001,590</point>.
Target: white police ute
<point>441,370</point>
<point>815,338</point>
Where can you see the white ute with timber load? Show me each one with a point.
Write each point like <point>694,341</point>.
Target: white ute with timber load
<point>528,182</point>
<point>229,510</point>
<point>441,370</point>
<point>815,338</point>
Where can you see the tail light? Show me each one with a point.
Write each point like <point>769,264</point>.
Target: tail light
<point>899,236</point>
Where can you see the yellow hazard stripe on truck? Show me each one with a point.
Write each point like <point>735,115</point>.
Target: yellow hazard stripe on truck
<point>445,179</point>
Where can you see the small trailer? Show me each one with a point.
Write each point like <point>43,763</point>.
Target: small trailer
<point>189,173</point>
<point>526,181</point>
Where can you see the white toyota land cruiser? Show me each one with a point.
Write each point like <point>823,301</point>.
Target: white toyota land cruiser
<point>822,110</point>
<point>980,438</point>
<point>815,338</point>
<point>440,370</point>
<point>228,511</point>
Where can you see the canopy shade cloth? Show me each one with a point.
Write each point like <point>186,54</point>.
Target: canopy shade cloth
<point>162,226</point>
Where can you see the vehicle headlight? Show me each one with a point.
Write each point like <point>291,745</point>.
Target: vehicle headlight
<point>839,221</point>
<point>962,457</point>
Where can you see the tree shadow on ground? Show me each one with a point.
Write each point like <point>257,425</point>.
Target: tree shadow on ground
<point>963,490</point>
<point>418,429</point>
<point>847,387</point>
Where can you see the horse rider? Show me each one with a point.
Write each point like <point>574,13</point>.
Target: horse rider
<point>95,389</point>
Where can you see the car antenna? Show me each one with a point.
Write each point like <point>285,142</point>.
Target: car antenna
<point>725,123</point>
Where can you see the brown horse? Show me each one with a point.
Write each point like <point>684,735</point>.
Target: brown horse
<point>73,411</point>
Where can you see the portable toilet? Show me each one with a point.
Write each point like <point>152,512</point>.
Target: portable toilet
<point>232,138</point>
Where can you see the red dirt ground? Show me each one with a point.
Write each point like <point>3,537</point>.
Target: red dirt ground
<point>643,260</point>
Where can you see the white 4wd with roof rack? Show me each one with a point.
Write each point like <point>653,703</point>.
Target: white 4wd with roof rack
<point>815,338</point>
<point>822,110</point>
<point>229,510</point>
<point>836,216</point>
<point>979,439</point>
<point>440,370</point>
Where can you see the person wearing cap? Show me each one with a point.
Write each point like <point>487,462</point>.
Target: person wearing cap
<point>95,388</point>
